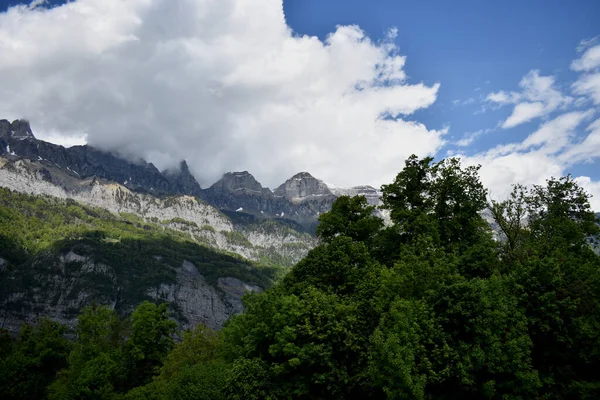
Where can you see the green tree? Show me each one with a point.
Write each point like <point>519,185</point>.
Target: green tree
<point>550,256</point>
<point>439,204</point>
<point>192,370</point>
<point>307,346</point>
<point>351,217</point>
<point>149,342</point>
<point>30,363</point>
<point>95,365</point>
<point>343,267</point>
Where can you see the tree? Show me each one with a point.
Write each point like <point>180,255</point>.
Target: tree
<point>342,267</point>
<point>307,346</point>
<point>95,364</point>
<point>439,205</point>
<point>149,343</point>
<point>551,229</point>
<point>30,363</point>
<point>192,370</point>
<point>510,216</point>
<point>351,217</point>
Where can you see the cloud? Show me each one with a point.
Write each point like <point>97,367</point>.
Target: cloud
<point>224,84</point>
<point>588,61</point>
<point>587,149</point>
<point>585,44</point>
<point>524,112</point>
<point>542,154</point>
<point>458,102</point>
<point>555,135</point>
<point>588,85</point>
<point>593,188</point>
<point>537,98</point>
<point>470,137</point>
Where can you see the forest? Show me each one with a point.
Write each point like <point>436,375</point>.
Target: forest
<point>436,305</point>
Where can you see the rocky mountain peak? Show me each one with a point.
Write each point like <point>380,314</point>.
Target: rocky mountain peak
<point>18,129</point>
<point>238,181</point>
<point>183,179</point>
<point>302,185</point>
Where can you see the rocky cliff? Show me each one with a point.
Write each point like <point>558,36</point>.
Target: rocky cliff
<point>235,217</point>
<point>17,140</point>
<point>59,255</point>
<point>254,240</point>
<point>302,198</point>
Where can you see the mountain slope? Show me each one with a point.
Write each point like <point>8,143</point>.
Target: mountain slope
<point>57,256</point>
<point>202,222</point>
<point>17,140</point>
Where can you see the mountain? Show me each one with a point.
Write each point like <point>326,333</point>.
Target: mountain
<point>59,255</point>
<point>301,187</point>
<point>81,224</point>
<point>373,195</point>
<point>17,140</point>
<point>302,198</point>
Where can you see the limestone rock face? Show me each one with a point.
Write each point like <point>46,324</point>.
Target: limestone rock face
<point>239,182</point>
<point>201,221</point>
<point>200,302</point>
<point>302,186</point>
<point>17,140</point>
<point>61,286</point>
<point>372,195</point>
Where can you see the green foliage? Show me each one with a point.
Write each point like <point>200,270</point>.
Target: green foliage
<point>432,307</point>
<point>149,342</point>
<point>310,345</point>
<point>96,365</point>
<point>351,217</point>
<point>37,233</point>
<point>111,355</point>
<point>236,238</point>
<point>440,203</point>
<point>192,370</point>
<point>29,363</point>
<point>180,221</point>
<point>429,308</point>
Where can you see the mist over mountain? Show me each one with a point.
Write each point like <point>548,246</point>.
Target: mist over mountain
<point>301,198</point>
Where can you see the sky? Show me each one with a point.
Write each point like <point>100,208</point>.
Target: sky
<point>343,89</point>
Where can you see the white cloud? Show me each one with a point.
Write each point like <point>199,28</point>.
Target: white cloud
<point>588,61</point>
<point>555,135</point>
<point>224,84</point>
<point>537,98</point>
<point>458,102</point>
<point>532,161</point>
<point>585,44</point>
<point>593,188</point>
<point>586,150</point>
<point>524,112</point>
<point>63,140</point>
<point>588,85</point>
<point>470,137</point>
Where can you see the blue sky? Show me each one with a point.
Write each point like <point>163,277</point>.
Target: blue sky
<point>505,70</point>
<point>471,47</point>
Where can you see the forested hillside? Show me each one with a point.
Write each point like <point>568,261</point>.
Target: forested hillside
<point>431,307</point>
<point>57,256</point>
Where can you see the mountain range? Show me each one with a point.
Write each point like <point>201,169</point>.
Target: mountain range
<point>301,198</point>
<point>113,205</point>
